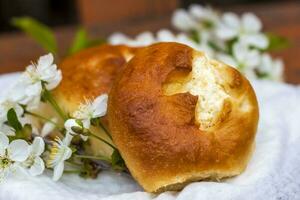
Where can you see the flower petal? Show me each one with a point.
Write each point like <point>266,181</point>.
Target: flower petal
<point>69,124</point>
<point>38,167</point>
<point>145,38</point>
<point>118,38</point>
<point>4,142</point>
<point>86,123</point>
<point>165,35</point>
<point>58,171</point>
<point>67,140</point>
<point>197,11</point>
<point>256,40</point>
<point>4,173</point>
<point>231,20</point>
<point>17,92</point>
<point>67,153</point>
<point>48,127</point>
<point>266,63</point>
<point>34,89</point>
<point>37,147</point>
<point>251,23</point>
<point>226,33</point>
<point>252,59</point>
<point>45,60</point>
<point>277,73</point>
<point>7,130</point>
<point>18,150</point>
<point>100,106</point>
<point>18,109</point>
<point>54,82</point>
<point>182,20</point>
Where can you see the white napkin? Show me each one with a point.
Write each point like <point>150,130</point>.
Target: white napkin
<point>273,172</point>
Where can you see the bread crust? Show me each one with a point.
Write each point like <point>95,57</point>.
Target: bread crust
<point>156,133</point>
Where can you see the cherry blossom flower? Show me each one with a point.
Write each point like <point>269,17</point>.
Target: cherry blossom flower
<point>197,18</point>
<point>30,84</point>
<point>59,153</point>
<point>11,154</point>
<point>34,163</point>
<point>90,110</point>
<point>246,30</point>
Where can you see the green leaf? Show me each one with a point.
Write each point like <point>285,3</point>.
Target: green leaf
<point>195,36</point>
<point>27,131</point>
<point>277,42</point>
<point>117,161</point>
<point>38,31</point>
<point>82,41</point>
<point>13,120</point>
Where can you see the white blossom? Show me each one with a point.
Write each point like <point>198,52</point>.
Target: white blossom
<point>34,163</point>
<point>207,17</point>
<point>11,154</point>
<point>206,30</point>
<point>29,87</point>
<point>90,110</point>
<point>242,58</point>
<point>246,30</point>
<point>197,18</point>
<point>59,152</point>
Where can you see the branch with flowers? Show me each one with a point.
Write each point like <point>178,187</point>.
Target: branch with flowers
<point>235,40</point>
<point>26,149</point>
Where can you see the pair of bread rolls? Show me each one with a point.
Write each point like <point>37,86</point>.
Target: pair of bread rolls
<point>175,115</point>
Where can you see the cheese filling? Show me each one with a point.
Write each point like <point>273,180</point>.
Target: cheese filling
<point>202,82</point>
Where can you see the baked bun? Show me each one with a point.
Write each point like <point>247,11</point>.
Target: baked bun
<point>88,74</point>
<point>177,116</point>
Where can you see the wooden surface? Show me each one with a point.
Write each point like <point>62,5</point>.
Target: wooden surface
<point>17,50</point>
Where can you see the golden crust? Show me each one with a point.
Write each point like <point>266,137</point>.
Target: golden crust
<point>156,133</point>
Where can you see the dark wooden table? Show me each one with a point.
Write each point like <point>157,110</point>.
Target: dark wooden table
<point>283,18</point>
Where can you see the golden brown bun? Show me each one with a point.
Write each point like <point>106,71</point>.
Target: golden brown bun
<point>88,74</point>
<point>177,116</point>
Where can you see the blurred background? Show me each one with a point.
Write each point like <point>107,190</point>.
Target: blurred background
<point>101,18</point>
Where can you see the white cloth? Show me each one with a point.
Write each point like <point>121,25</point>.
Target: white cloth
<point>273,172</point>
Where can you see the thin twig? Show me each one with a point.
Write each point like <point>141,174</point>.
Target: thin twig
<point>94,157</point>
<point>99,138</point>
